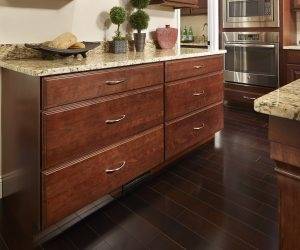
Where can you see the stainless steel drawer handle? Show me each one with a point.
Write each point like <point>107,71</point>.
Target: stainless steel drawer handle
<point>199,93</point>
<point>115,82</point>
<point>249,98</point>
<point>110,171</point>
<point>199,66</point>
<point>201,127</point>
<point>115,120</point>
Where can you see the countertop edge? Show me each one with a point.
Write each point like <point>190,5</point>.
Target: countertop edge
<point>84,68</point>
<point>292,47</point>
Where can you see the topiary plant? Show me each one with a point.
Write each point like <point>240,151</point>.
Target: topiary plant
<point>140,4</point>
<point>139,20</point>
<point>118,16</point>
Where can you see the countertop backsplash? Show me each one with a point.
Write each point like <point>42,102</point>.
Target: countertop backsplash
<point>19,51</point>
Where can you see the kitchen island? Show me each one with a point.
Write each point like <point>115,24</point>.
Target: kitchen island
<point>77,132</point>
<point>283,107</point>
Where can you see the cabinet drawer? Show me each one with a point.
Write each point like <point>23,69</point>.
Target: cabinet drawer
<point>76,185</point>
<point>59,90</point>
<point>185,96</point>
<point>77,129</point>
<point>180,69</point>
<point>193,129</point>
<point>241,96</point>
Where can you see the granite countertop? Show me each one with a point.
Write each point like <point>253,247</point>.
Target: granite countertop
<point>283,102</point>
<point>40,67</point>
<point>292,47</point>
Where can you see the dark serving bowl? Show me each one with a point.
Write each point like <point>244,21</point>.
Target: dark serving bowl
<point>64,52</point>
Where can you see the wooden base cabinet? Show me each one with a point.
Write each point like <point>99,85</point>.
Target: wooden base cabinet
<point>88,134</point>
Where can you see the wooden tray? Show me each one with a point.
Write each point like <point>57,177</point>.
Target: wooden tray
<point>64,52</point>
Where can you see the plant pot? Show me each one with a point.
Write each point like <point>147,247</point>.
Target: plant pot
<point>139,41</point>
<point>119,46</point>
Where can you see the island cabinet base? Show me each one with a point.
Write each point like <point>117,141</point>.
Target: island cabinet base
<point>284,135</point>
<point>91,134</point>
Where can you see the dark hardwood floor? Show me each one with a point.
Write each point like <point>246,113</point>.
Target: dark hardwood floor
<point>221,196</point>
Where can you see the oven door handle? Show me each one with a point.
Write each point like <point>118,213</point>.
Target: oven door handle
<point>266,46</point>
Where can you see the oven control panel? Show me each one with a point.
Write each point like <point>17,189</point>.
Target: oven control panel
<point>248,37</point>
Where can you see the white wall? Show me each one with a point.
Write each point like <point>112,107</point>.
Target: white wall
<point>36,20</point>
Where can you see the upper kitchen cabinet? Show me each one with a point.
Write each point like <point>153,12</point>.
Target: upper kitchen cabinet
<point>296,5</point>
<point>201,9</point>
<point>177,3</point>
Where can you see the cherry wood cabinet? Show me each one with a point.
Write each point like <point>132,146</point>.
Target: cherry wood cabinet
<point>74,130</point>
<point>82,136</point>
<point>292,72</point>
<point>292,65</point>
<point>202,9</point>
<point>64,89</point>
<point>177,3</point>
<point>296,5</point>
<point>193,128</point>
<point>185,96</point>
<point>77,184</point>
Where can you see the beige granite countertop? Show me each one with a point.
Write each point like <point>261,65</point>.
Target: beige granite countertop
<point>40,67</point>
<point>283,102</point>
<point>292,47</point>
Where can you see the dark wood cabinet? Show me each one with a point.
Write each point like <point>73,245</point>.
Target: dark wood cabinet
<point>296,5</point>
<point>97,131</point>
<point>177,3</point>
<point>292,72</point>
<point>243,95</point>
<point>292,65</point>
<point>200,10</point>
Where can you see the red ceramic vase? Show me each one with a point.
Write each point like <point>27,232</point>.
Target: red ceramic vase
<point>166,37</point>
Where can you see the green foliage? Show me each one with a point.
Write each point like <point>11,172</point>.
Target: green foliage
<point>139,20</point>
<point>140,4</point>
<point>118,16</point>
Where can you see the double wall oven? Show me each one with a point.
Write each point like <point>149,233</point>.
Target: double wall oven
<point>252,58</point>
<point>250,13</point>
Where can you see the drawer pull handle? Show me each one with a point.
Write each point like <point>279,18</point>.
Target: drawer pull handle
<point>110,171</point>
<point>115,82</point>
<point>249,98</point>
<point>199,93</point>
<point>115,120</point>
<point>199,66</point>
<point>201,127</point>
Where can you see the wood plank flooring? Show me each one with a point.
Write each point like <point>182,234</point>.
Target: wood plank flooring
<point>221,196</point>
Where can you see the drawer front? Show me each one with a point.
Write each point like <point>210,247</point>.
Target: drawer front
<point>74,186</point>
<point>59,90</point>
<point>185,96</point>
<point>181,69</point>
<point>81,128</point>
<point>241,96</point>
<point>193,129</point>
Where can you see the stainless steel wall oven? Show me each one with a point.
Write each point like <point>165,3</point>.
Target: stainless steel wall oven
<point>252,58</point>
<point>250,13</point>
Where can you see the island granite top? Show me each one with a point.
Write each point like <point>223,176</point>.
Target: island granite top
<point>283,102</point>
<point>40,67</point>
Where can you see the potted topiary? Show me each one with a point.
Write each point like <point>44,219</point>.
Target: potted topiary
<point>118,16</point>
<point>139,21</point>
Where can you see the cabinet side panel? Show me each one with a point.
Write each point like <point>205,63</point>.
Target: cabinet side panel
<point>20,155</point>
